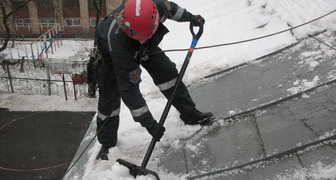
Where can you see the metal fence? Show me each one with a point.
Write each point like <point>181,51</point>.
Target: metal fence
<point>55,77</point>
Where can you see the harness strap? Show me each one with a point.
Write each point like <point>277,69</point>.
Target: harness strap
<point>116,19</point>
<point>120,24</point>
<point>109,34</point>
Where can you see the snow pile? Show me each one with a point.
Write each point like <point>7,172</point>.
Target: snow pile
<point>317,171</point>
<point>19,102</point>
<point>304,84</point>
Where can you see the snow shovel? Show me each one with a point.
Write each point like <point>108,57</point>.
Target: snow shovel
<point>134,169</point>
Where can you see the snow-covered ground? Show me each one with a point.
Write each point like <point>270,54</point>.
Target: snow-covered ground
<point>226,21</point>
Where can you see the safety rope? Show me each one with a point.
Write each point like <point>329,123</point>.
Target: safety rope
<point>311,36</point>
<point>281,155</point>
<point>88,145</point>
<point>264,106</point>
<point>85,149</point>
<point>333,81</point>
<point>34,169</point>
<point>205,47</point>
<point>14,120</point>
<point>248,40</point>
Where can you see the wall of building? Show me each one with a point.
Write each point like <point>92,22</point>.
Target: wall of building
<point>75,22</point>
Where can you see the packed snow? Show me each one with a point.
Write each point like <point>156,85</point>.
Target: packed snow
<point>226,21</point>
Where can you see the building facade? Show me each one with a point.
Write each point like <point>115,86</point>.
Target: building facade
<point>75,18</point>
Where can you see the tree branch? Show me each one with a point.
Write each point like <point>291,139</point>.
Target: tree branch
<point>5,17</point>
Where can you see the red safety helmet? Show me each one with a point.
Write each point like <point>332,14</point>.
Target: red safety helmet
<point>141,19</point>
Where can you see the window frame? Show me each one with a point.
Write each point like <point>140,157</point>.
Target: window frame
<point>93,21</point>
<point>49,22</point>
<point>22,22</point>
<point>73,22</point>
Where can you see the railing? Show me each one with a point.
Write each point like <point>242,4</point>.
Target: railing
<point>38,48</point>
<point>57,77</point>
<point>41,25</point>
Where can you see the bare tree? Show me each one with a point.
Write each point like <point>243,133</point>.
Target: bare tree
<point>98,5</point>
<point>5,17</point>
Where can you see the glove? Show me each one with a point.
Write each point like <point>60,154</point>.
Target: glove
<point>197,20</point>
<point>156,130</point>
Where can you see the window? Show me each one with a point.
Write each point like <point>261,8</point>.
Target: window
<point>17,3</point>
<point>47,22</point>
<point>73,22</point>
<point>22,22</point>
<point>71,3</point>
<point>44,4</point>
<point>93,21</point>
<point>91,5</point>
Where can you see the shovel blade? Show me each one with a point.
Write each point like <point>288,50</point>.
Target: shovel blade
<point>137,170</point>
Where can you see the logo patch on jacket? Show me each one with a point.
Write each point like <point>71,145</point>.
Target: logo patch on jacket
<point>135,76</point>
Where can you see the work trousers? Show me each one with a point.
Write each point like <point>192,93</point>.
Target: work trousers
<point>164,74</point>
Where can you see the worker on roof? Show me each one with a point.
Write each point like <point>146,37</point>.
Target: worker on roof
<point>126,40</point>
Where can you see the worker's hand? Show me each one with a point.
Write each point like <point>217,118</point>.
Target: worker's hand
<point>156,130</point>
<point>197,20</point>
